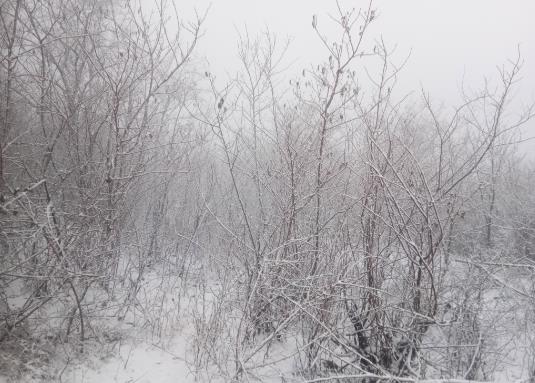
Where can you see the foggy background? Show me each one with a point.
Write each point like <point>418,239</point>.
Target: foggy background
<point>447,42</point>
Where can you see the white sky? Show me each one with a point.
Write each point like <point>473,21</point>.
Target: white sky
<point>449,39</point>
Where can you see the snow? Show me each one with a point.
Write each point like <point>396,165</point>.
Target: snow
<point>143,363</point>
<point>156,342</point>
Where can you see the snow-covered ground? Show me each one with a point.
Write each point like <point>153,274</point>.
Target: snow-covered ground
<point>168,334</point>
<point>136,362</point>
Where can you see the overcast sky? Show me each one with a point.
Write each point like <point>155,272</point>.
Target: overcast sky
<point>448,40</point>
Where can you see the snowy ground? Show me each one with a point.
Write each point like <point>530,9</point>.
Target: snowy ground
<point>136,362</point>
<point>153,339</point>
<point>156,343</point>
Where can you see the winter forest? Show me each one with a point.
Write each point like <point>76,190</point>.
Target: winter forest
<point>163,223</point>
